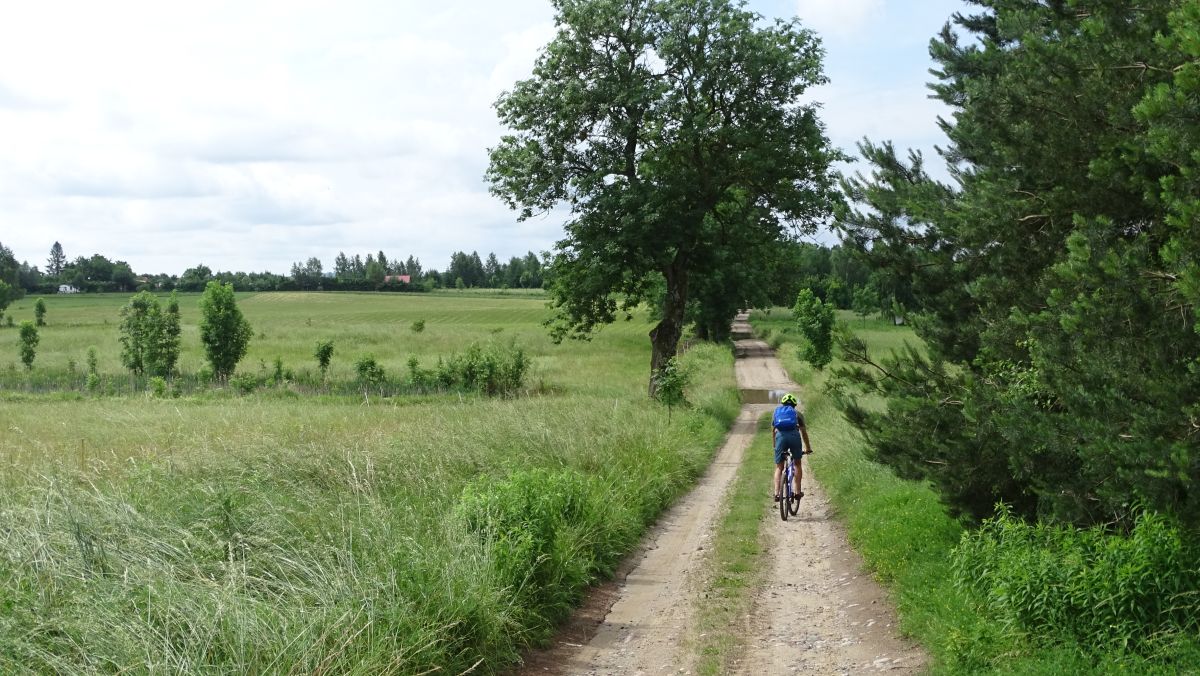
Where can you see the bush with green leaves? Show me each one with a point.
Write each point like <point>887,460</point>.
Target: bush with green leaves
<point>669,383</point>
<point>158,386</point>
<point>815,319</point>
<point>39,312</point>
<point>494,369</point>
<point>369,371</point>
<point>245,383</point>
<point>150,335</point>
<point>323,354</point>
<point>223,330</point>
<point>28,343</point>
<point>418,326</point>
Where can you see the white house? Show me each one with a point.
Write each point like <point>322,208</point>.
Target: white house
<point>67,288</point>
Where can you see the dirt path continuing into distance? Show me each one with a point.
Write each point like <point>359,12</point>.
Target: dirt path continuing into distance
<point>817,611</point>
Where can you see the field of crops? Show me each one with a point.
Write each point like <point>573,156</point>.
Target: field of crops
<point>289,530</point>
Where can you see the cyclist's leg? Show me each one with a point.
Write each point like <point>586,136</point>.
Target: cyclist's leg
<point>777,484</point>
<point>797,448</point>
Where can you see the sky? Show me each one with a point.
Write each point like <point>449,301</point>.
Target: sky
<point>250,134</point>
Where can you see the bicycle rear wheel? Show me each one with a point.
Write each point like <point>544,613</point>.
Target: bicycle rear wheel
<point>784,496</point>
<point>794,504</point>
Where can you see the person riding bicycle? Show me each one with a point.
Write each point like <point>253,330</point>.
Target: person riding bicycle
<point>787,429</point>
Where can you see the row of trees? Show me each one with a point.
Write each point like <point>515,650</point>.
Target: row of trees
<point>97,273</point>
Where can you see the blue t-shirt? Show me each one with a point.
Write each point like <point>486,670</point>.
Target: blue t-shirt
<point>786,418</point>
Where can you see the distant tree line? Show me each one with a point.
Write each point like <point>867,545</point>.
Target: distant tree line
<point>375,272</point>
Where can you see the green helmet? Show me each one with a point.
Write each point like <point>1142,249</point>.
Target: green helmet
<point>788,399</point>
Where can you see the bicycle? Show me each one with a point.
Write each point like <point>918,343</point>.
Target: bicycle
<point>789,502</point>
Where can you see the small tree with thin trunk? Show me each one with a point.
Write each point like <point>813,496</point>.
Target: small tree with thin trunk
<point>29,342</point>
<point>815,319</point>
<point>223,330</point>
<point>39,312</point>
<point>323,355</point>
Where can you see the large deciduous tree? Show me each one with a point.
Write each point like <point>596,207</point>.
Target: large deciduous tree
<point>676,134</point>
<point>1051,279</point>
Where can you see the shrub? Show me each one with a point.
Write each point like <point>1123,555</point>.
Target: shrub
<point>369,371</point>
<point>494,369</point>
<point>244,382</point>
<point>158,386</point>
<point>669,383</point>
<point>323,354</point>
<point>277,372</point>
<point>418,326</point>
<point>39,312</point>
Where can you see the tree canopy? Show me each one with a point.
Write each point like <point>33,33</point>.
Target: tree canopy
<point>1054,281</point>
<point>675,133</point>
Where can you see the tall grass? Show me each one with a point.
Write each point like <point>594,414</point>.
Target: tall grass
<point>267,534</point>
<point>1010,598</point>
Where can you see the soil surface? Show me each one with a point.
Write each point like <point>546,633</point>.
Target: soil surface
<point>817,611</point>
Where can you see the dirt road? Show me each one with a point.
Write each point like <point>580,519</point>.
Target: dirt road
<point>816,613</point>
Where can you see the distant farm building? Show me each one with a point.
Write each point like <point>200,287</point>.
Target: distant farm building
<point>67,288</point>
<point>398,279</point>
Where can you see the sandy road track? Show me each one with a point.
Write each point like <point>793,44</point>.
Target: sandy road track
<point>817,612</point>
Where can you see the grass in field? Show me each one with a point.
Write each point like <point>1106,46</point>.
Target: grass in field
<point>327,534</point>
<point>288,325</point>
<point>735,567</point>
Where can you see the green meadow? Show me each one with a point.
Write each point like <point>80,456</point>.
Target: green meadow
<point>290,529</point>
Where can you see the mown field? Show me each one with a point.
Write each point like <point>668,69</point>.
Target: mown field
<point>291,530</point>
<point>917,551</point>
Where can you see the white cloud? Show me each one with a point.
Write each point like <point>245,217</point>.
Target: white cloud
<point>248,134</point>
<point>839,18</point>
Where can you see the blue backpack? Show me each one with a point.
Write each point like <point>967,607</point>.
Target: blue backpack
<point>785,419</point>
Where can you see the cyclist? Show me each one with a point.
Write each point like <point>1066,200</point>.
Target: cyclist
<point>787,429</point>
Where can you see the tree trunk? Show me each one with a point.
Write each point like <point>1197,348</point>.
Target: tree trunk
<point>664,337</point>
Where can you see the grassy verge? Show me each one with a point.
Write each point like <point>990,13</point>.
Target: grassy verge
<point>906,538</point>
<point>735,568</point>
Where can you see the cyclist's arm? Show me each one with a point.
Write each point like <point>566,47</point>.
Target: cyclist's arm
<point>804,435</point>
